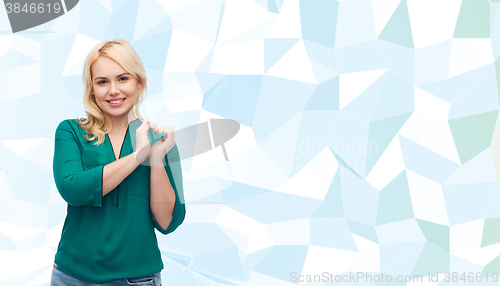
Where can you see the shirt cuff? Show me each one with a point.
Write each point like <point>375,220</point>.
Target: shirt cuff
<point>177,218</point>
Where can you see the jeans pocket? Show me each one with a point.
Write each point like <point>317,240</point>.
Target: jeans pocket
<point>147,280</point>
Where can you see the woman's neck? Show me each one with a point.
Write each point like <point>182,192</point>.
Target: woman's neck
<point>120,125</point>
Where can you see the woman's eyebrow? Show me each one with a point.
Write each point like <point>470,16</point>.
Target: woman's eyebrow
<point>103,77</point>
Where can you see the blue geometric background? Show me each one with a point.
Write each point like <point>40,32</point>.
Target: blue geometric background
<point>369,139</point>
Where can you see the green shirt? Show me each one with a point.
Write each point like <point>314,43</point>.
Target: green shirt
<point>111,237</point>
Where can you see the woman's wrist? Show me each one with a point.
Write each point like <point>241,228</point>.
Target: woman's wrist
<point>137,160</point>
<point>156,161</point>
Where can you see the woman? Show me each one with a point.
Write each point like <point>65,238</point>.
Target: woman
<point>118,185</point>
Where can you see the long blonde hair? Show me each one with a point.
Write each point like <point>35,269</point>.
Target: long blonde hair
<point>97,123</point>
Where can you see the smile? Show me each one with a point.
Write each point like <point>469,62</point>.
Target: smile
<point>115,103</point>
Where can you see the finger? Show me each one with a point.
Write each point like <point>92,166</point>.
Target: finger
<point>170,136</point>
<point>144,126</point>
<point>166,129</point>
<point>172,131</point>
<point>152,126</point>
<point>166,136</point>
<point>162,129</point>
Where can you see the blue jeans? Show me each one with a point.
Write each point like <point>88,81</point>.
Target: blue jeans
<point>59,278</point>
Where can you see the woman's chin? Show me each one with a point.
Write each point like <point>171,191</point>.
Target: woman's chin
<point>117,112</point>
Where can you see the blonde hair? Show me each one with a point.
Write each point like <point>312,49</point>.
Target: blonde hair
<point>98,123</point>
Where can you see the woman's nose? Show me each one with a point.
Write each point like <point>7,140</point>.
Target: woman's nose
<point>114,89</point>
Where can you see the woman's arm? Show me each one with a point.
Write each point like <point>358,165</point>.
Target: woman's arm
<point>114,173</point>
<point>167,209</point>
<point>79,187</point>
<point>76,186</point>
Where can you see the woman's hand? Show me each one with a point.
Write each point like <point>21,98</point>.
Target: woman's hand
<point>143,146</point>
<point>163,146</point>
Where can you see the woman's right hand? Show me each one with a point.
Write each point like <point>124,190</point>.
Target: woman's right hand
<point>142,142</point>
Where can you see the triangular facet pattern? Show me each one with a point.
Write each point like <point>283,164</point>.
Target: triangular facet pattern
<point>368,140</point>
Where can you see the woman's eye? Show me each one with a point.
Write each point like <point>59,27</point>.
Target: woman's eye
<point>122,78</point>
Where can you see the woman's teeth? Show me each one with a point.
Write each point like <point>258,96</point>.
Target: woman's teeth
<point>116,101</point>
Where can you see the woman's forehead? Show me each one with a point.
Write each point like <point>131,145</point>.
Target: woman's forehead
<point>106,67</point>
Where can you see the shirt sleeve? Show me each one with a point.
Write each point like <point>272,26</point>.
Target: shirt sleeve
<point>174,172</point>
<point>76,186</point>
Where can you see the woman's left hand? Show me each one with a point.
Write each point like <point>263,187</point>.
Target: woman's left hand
<point>161,147</point>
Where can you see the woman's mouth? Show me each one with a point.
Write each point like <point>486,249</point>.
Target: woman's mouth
<point>116,103</point>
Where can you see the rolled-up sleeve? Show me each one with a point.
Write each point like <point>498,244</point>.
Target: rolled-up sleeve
<point>174,172</point>
<point>78,187</point>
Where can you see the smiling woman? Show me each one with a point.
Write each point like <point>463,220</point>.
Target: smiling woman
<point>114,203</point>
<point>112,71</point>
<point>113,87</point>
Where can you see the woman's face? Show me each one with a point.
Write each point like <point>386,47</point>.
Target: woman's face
<point>111,82</point>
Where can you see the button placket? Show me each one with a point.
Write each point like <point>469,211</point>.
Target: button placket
<point>117,193</point>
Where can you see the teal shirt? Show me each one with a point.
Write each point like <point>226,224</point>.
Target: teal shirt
<point>111,237</point>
